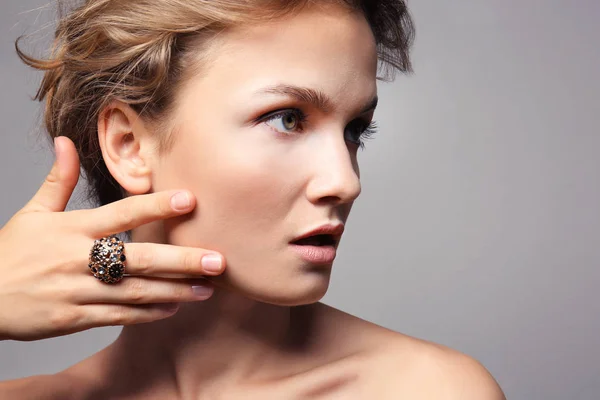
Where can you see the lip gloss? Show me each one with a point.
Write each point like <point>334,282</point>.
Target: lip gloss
<point>315,254</point>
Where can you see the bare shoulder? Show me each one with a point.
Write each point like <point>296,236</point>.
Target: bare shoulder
<point>76,382</point>
<point>424,370</point>
<point>42,387</point>
<point>401,366</point>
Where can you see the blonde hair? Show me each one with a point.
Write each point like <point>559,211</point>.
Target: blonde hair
<point>141,51</point>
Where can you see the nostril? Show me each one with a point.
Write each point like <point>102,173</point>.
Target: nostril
<point>330,200</point>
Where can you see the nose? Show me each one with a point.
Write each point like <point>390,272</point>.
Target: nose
<point>335,177</point>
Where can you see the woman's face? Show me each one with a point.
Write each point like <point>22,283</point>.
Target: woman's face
<point>266,137</point>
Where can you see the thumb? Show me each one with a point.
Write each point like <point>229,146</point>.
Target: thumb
<point>55,192</point>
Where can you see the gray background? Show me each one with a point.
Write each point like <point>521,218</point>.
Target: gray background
<point>479,223</point>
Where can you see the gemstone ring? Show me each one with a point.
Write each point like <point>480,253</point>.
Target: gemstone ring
<point>107,259</point>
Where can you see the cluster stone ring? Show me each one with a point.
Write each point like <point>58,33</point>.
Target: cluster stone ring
<point>107,259</point>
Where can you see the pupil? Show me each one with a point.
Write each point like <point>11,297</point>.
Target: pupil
<point>289,122</point>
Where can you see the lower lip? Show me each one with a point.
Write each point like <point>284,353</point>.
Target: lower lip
<point>315,254</point>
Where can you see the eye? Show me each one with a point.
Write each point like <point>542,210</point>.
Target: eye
<point>358,131</point>
<point>286,121</point>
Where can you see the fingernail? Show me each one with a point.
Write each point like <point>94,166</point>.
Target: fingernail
<point>181,201</point>
<point>212,263</point>
<point>202,292</point>
<point>57,148</point>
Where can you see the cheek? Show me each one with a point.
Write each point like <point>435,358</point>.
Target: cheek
<point>242,188</point>
<point>246,203</point>
<point>250,201</point>
<point>246,198</point>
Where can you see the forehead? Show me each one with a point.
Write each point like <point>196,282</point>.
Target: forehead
<point>331,49</point>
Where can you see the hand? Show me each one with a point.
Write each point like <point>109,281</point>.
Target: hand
<point>46,287</point>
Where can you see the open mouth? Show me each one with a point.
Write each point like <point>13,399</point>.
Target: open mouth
<point>316,240</point>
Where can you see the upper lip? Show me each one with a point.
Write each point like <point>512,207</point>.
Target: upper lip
<point>334,229</point>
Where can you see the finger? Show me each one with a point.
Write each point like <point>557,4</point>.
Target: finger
<point>152,259</point>
<point>55,192</point>
<point>136,290</point>
<point>96,315</point>
<point>134,211</point>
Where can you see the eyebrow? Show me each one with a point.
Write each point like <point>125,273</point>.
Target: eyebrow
<point>307,95</point>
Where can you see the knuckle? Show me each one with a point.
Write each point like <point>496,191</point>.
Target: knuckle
<point>143,258</point>
<point>121,316</point>
<point>136,291</point>
<point>180,292</point>
<point>124,216</point>
<point>65,318</point>
<point>163,205</point>
<point>190,262</point>
<point>53,177</point>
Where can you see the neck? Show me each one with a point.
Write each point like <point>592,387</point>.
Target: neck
<point>222,339</point>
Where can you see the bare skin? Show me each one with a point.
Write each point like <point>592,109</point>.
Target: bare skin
<point>347,358</point>
<point>46,290</point>
<point>259,184</point>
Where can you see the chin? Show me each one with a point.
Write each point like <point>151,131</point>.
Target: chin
<point>299,298</point>
<point>294,291</point>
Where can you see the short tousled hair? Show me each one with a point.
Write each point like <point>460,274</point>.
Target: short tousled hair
<point>138,52</point>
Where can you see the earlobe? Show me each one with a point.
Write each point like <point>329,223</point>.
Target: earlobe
<point>124,144</point>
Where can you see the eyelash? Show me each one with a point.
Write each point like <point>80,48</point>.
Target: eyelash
<point>366,132</point>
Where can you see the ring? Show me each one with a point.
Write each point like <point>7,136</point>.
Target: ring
<point>107,259</point>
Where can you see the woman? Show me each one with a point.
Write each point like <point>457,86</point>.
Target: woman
<point>258,108</point>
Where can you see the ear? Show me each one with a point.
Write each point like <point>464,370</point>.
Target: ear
<point>126,147</point>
